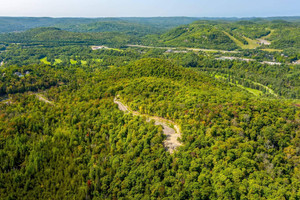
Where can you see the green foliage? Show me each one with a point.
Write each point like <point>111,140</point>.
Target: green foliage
<point>61,56</point>
<point>83,146</point>
<point>274,81</point>
<point>114,26</point>
<point>198,36</point>
<point>62,136</point>
<point>142,25</point>
<point>30,78</point>
<point>286,38</point>
<point>57,37</point>
<point>230,35</point>
<point>250,29</point>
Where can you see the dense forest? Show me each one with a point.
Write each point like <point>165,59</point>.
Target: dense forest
<point>57,37</point>
<point>62,136</point>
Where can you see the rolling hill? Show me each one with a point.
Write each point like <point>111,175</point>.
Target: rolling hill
<point>72,141</point>
<point>230,35</point>
<point>157,24</point>
<point>57,37</point>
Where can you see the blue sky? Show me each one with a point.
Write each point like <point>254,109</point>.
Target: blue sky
<point>150,8</point>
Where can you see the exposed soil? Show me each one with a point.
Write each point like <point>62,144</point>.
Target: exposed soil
<point>171,143</point>
<point>99,47</point>
<point>265,42</point>
<point>41,98</point>
<point>297,62</point>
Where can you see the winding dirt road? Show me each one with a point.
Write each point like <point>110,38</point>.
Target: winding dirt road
<point>171,143</point>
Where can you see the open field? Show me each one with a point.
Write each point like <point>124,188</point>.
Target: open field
<point>57,61</point>
<point>252,44</point>
<point>73,62</point>
<point>272,50</point>
<point>45,61</point>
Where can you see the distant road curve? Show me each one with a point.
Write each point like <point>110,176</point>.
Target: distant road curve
<point>186,48</point>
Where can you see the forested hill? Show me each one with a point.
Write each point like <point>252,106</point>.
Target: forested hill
<point>221,34</point>
<point>230,35</point>
<point>79,145</point>
<point>114,26</point>
<point>156,24</point>
<point>57,37</point>
<point>63,136</point>
<point>198,36</point>
<point>136,26</point>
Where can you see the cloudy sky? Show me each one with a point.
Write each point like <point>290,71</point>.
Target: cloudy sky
<point>147,8</point>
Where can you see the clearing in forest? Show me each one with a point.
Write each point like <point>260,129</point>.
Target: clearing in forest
<point>45,61</point>
<point>252,44</point>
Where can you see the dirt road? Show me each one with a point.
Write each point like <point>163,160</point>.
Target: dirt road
<point>6,100</point>
<point>42,98</point>
<point>171,143</point>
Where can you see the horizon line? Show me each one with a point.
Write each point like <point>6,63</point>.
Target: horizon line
<point>96,17</point>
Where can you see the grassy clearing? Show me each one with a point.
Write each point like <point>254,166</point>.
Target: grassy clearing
<point>73,62</point>
<point>98,60</point>
<point>220,77</point>
<point>45,61</point>
<point>83,62</point>
<point>272,50</point>
<point>239,43</point>
<point>251,90</point>
<point>57,61</point>
<point>114,49</point>
<point>252,44</point>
